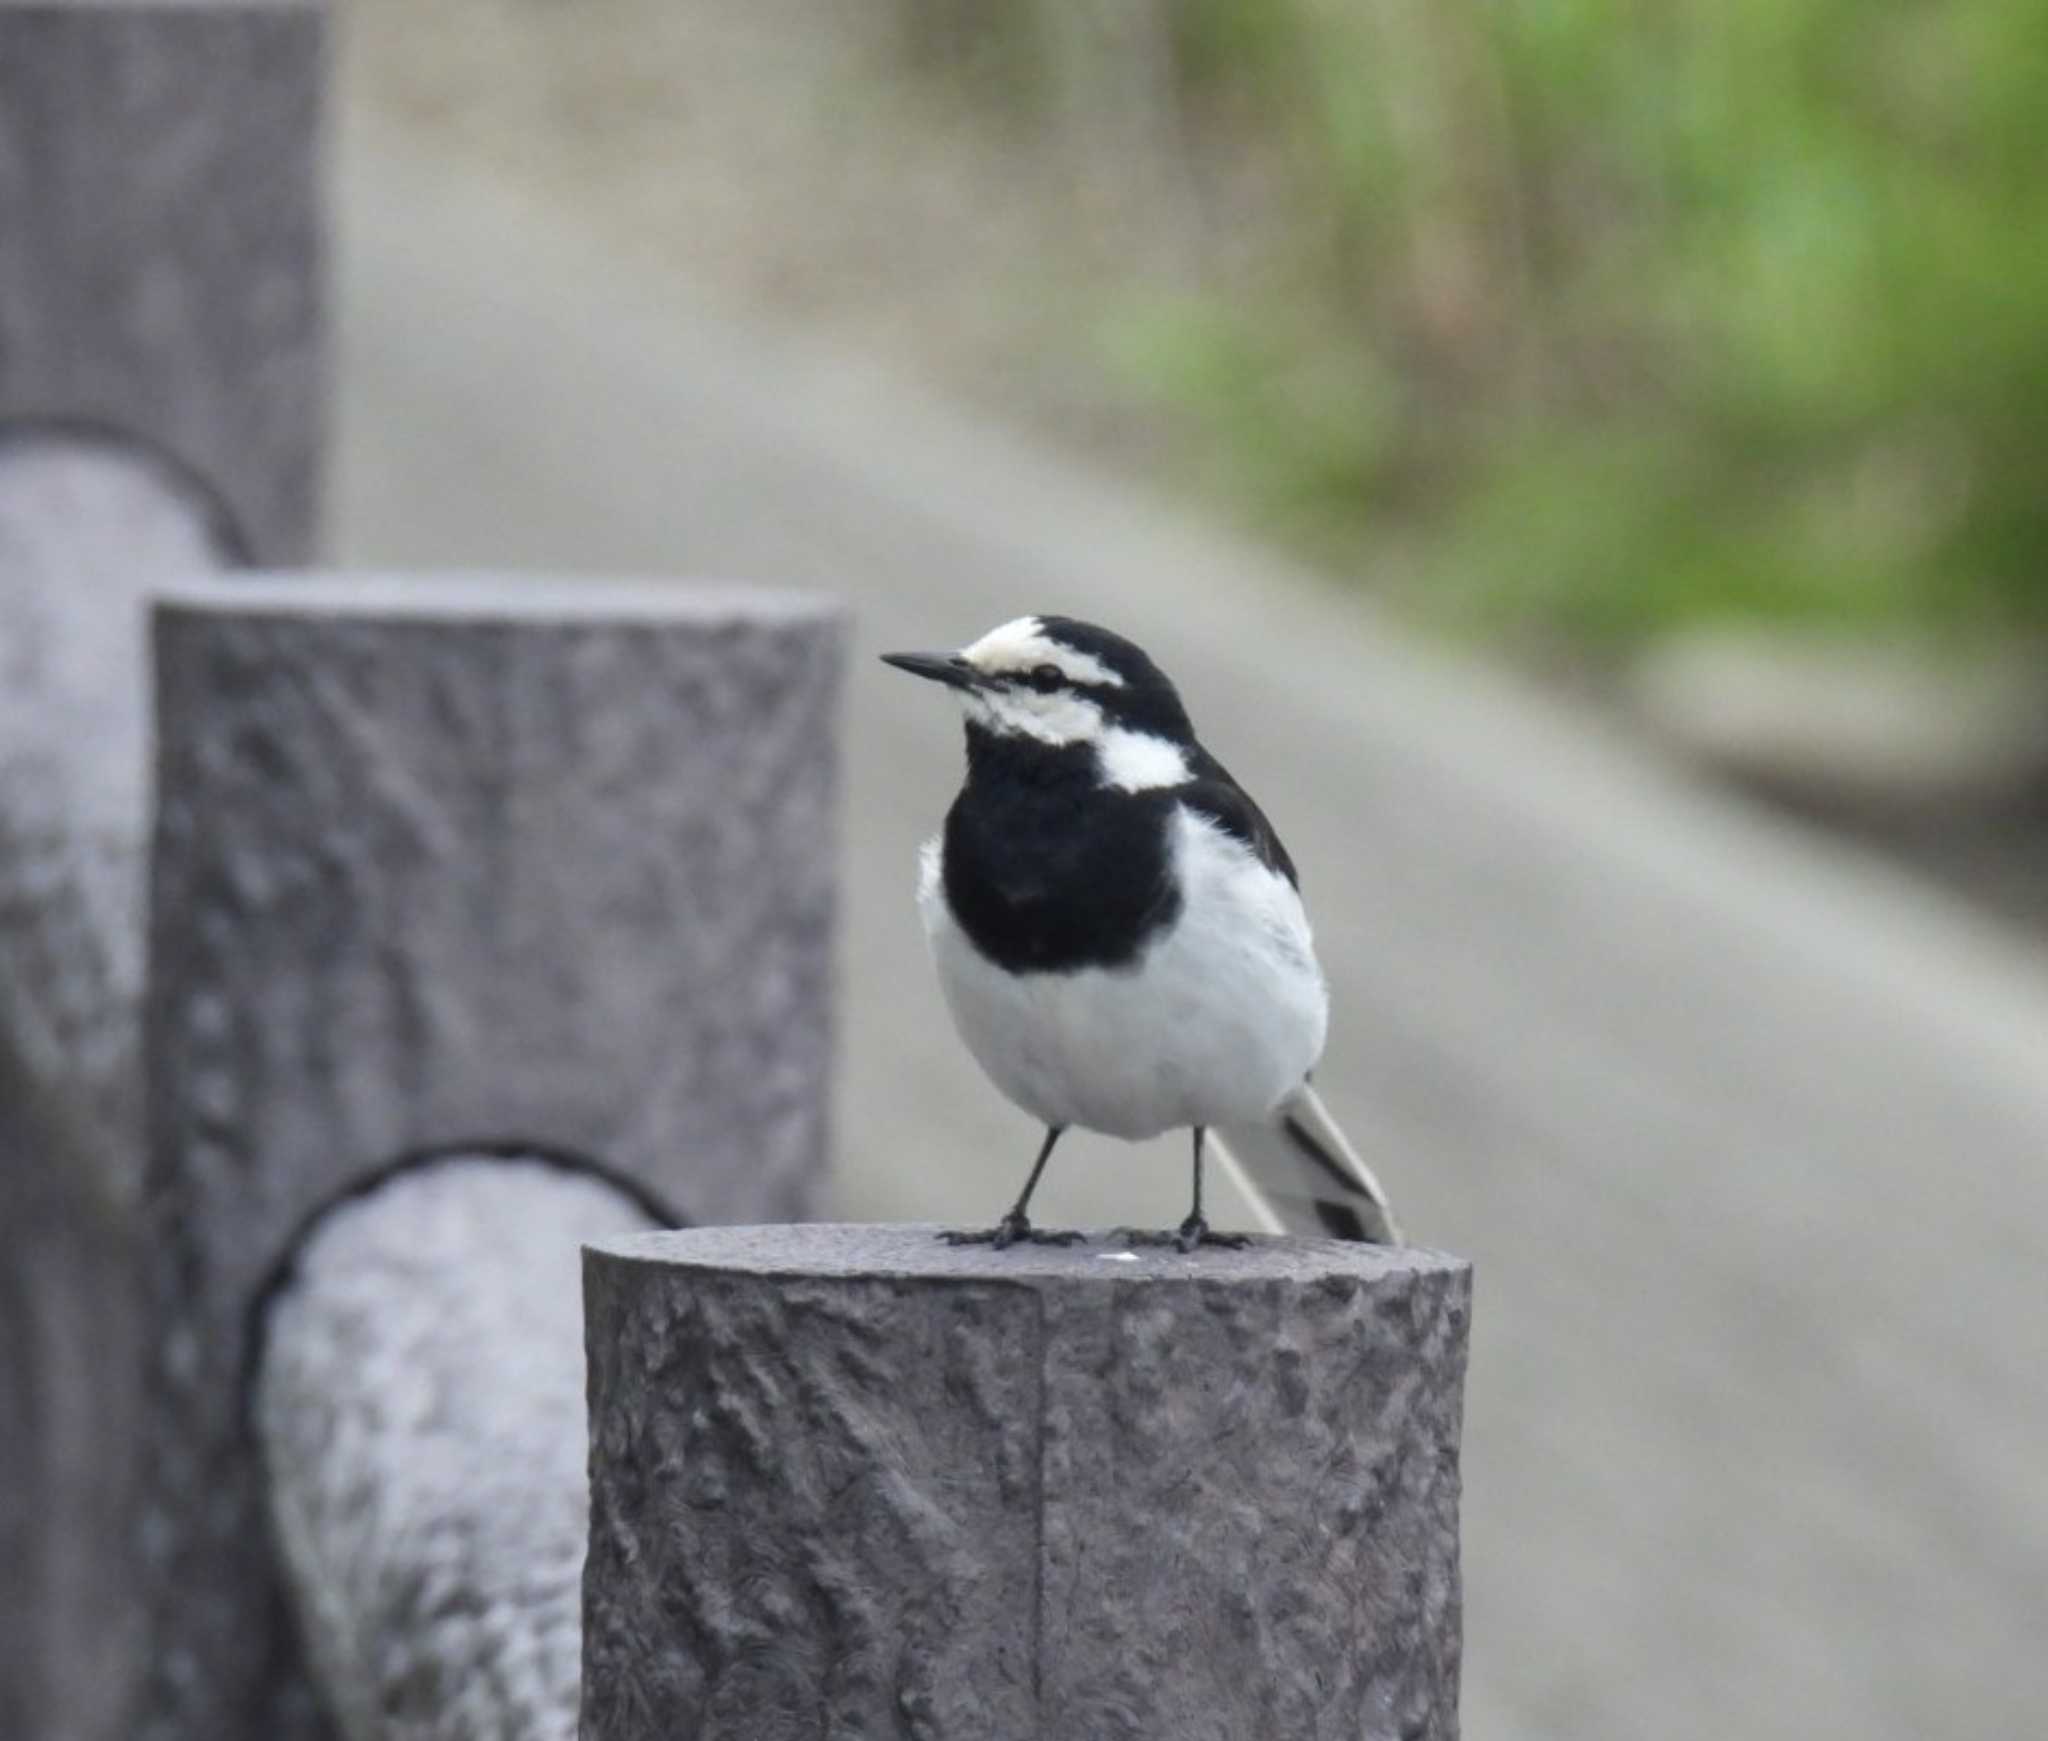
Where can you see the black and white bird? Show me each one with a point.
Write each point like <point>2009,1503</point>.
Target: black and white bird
<point>1119,933</point>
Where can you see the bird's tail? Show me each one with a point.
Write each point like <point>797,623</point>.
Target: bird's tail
<point>1301,1175</point>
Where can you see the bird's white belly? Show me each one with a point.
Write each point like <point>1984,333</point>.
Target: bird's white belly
<point>1216,1024</point>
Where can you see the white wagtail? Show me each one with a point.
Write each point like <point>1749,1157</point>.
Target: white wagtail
<point>1119,933</point>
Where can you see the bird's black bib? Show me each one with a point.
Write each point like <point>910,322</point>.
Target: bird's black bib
<point>1047,872</point>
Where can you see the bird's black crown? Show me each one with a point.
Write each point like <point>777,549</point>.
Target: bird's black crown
<point>1146,700</point>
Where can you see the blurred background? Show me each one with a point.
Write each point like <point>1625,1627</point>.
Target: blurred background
<point>1692,353</point>
<point>1689,363</point>
<point>1585,465</point>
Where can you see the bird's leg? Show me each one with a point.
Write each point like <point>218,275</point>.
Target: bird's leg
<point>1016,1225</point>
<point>1194,1231</point>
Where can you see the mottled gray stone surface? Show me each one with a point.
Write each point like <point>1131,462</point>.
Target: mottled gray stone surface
<point>84,528</point>
<point>420,1406</point>
<point>160,239</point>
<point>461,862</point>
<point>853,1481</point>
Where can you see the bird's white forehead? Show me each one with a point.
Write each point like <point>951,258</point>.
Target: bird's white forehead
<point>1023,645</point>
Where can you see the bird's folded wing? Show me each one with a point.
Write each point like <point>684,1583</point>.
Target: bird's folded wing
<point>1301,1175</point>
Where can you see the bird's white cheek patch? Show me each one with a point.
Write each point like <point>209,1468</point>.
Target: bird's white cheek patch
<point>1136,761</point>
<point>1051,719</point>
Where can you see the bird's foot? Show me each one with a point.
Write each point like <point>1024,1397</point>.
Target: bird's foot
<point>1013,1229</point>
<point>1190,1234</point>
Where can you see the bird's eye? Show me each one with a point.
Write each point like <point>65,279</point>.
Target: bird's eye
<point>1047,677</point>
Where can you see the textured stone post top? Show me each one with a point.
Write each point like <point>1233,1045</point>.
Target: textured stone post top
<point>853,1480</point>
<point>479,597</point>
<point>854,1250</point>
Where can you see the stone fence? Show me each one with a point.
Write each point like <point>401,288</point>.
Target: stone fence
<point>372,944</point>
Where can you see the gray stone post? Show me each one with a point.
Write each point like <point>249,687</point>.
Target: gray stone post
<point>475,863</point>
<point>160,238</point>
<point>419,1403</point>
<point>853,1481</point>
<point>85,526</point>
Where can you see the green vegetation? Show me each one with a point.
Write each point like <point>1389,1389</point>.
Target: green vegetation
<point>1626,316</point>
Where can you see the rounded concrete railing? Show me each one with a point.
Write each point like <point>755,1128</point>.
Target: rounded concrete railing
<point>419,1406</point>
<point>87,521</point>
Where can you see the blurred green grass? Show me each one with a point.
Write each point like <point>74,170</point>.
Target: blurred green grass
<point>1627,318</point>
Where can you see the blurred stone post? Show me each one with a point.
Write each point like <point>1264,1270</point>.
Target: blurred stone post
<point>160,239</point>
<point>851,1480</point>
<point>160,385</point>
<point>470,864</point>
<point>85,525</point>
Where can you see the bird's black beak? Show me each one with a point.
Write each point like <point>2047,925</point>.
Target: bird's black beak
<point>947,668</point>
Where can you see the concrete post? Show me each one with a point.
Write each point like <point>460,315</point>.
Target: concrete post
<point>419,1401</point>
<point>851,1480</point>
<point>160,238</point>
<point>472,863</point>
<point>85,526</point>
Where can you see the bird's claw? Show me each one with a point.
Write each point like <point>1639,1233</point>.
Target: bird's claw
<point>1189,1235</point>
<point>1013,1229</point>
<point>1195,1232</point>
